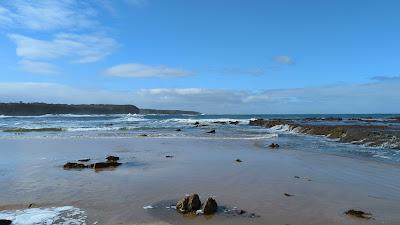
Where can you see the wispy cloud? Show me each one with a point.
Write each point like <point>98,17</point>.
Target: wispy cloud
<point>141,70</point>
<point>47,14</point>
<point>346,98</point>
<point>83,40</point>
<point>243,71</point>
<point>38,67</point>
<point>385,78</point>
<point>75,47</point>
<point>284,59</point>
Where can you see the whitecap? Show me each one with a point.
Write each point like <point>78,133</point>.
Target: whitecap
<point>46,216</point>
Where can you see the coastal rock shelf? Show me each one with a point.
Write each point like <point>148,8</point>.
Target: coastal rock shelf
<point>369,135</point>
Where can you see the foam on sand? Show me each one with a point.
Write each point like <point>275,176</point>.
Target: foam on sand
<point>45,216</point>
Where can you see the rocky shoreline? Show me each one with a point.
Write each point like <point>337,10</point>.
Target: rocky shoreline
<point>368,135</point>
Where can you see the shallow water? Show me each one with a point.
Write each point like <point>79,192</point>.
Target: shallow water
<point>164,126</point>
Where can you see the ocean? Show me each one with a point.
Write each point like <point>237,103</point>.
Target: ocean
<point>183,126</point>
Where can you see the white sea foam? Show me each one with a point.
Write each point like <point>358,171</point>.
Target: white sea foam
<point>46,216</point>
<point>82,129</point>
<point>284,128</point>
<point>207,121</point>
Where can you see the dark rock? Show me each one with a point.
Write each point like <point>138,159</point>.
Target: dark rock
<point>5,222</point>
<point>142,135</point>
<point>296,177</point>
<point>288,195</point>
<point>359,214</point>
<point>84,160</point>
<point>70,165</point>
<point>196,123</point>
<point>194,203</point>
<point>273,145</point>
<point>210,207</point>
<point>211,132</point>
<point>234,122</point>
<point>178,129</point>
<point>104,165</point>
<point>189,204</point>
<point>220,122</point>
<point>239,160</point>
<point>169,156</point>
<point>112,158</point>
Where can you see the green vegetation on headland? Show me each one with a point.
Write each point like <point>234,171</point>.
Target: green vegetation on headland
<point>20,130</point>
<point>38,109</point>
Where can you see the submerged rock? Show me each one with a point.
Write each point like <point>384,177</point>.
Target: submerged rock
<point>84,160</point>
<point>211,132</point>
<point>112,158</point>
<point>178,129</point>
<point>273,145</point>
<point>189,204</point>
<point>5,222</point>
<point>70,165</point>
<point>210,207</point>
<point>359,214</point>
<point>103,165</point>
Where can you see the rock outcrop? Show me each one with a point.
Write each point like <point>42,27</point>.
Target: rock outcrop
<point>370,135</point>
<point>210,207</point>
<point>189,204</point>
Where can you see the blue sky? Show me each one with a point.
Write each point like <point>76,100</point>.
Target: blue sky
<point>210,56</point>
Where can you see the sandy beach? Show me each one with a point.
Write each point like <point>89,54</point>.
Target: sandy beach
<point>327,185</point>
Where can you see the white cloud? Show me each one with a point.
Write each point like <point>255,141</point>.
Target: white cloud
<point>140,70</point>
<point>38,67</point>
<point>82,39</point>
<point>356,98</point>
<point>77,48</point>
<point>47,14</point>
<point>283,59</point>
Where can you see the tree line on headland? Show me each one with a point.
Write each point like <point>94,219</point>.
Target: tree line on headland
<point>38,109</point>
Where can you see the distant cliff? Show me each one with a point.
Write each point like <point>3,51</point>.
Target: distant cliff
<point>160,111</point>
<point>37,109</point>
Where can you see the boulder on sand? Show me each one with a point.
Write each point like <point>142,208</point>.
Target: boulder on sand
<point>189,204</point>
<point>210,207</point>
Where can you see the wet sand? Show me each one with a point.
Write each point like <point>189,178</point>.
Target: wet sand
<point>31,172</point>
